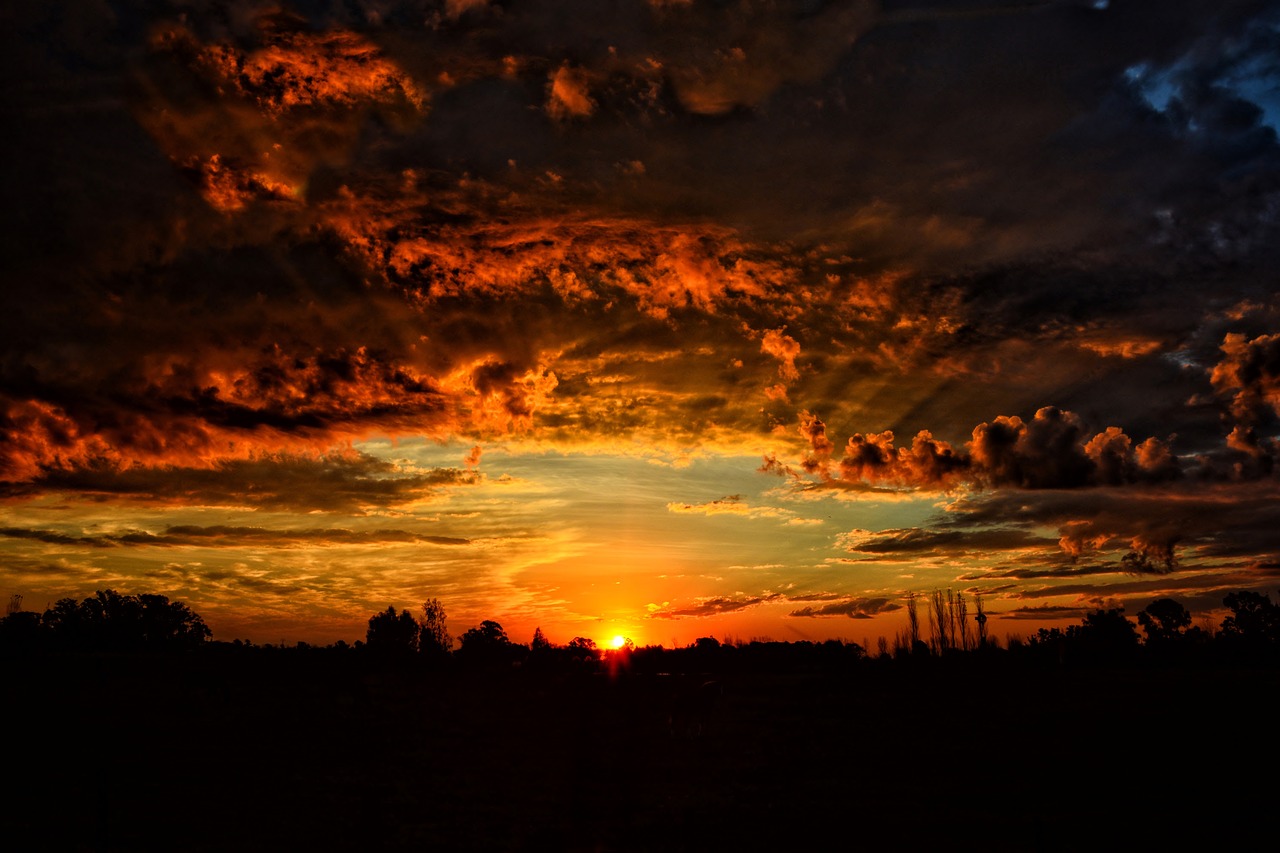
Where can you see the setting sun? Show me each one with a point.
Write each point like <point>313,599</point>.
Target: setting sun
<point>618,641</point>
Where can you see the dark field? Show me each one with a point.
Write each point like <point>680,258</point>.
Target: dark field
<point>291,754</point>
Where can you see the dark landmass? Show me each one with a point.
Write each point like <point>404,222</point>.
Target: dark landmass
<point>282,751</point>
<point>130,730</point>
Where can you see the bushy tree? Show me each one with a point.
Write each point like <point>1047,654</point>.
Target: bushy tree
<point>487,644</point>
<point>1105,635</point>
<point>583,649</point>
<point>117,622</point>
<point>1164,620</point>
<point>1254,619</point>
<point>393,634</point>
<point>21,631</point>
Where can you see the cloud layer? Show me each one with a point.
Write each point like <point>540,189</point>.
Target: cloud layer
<point>243,241</point>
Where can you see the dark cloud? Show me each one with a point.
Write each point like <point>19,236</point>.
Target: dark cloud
<point>329,483</point>
<point>53,537</point>
<point>1249,375</point>
<point>853,608</point>
<point>222,536</point>
<point>1040,614</point>
<point>835,604</point>
<point>345,142</point>
<point>714,606</point>
<point>1052,450</point>
<point>912,543</point>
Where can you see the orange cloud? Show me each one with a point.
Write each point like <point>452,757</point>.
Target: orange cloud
<point>739,56</point>
<point>568,95</point>
<point>820,447</point>
<point>296,69</point>
<point>785,349</point>
<point>662,268</point>
<point>323,481</point>
<point>1249,374</point>
<point>1049,451</point>
<point>253,124</point>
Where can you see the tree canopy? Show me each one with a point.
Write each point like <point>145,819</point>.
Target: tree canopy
<point>112,621</point>
<point>393,633</point>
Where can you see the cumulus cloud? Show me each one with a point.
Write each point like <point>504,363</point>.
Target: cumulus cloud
<point>1049,451</point>
<point>1249,376</point>
<point>785,349</point>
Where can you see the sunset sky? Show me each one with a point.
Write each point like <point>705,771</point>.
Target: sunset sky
<point>661,318</point>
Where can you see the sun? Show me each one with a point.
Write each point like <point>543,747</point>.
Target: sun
<point>618,641</point>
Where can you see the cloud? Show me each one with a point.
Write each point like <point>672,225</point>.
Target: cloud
<point>1154,530</point>
<point>1249,376</point>
<point>294,68</point>
<point>243,239</point>
<point>853,608</point>
<point>733,505</point>
<point>785,349</point>
<point>220,536</point>
<point>911,543</point>
<point>351,482</point>
<point>715,606</point>
<point>835,604</point>
<point>1049,451</point>
<point>568,95</point>
<point>722,58</point>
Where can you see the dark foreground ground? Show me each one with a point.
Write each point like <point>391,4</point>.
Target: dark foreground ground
<point>172,754</point>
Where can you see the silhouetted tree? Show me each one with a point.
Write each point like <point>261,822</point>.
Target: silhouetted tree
<point>913,623</point>
<point>433,637</point>
<point>392,634</point>
<point>540,642</point>
<point>487,645</point>
<point>1254,620</point>
<point>21,630</point>
<point>961,608</point>
<point>948,622</point>
<point>116,622</point>
<point>583,650</point>
<point>1104,635</point>
<point>1164,620</point>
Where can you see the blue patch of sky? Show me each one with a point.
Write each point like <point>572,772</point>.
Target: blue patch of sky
<point>1156,86</point>
<point>1250,71</point>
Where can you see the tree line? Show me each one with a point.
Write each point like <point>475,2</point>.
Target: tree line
<point>110,621</point>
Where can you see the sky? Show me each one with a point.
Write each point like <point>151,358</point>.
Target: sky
<point>654,318</point>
